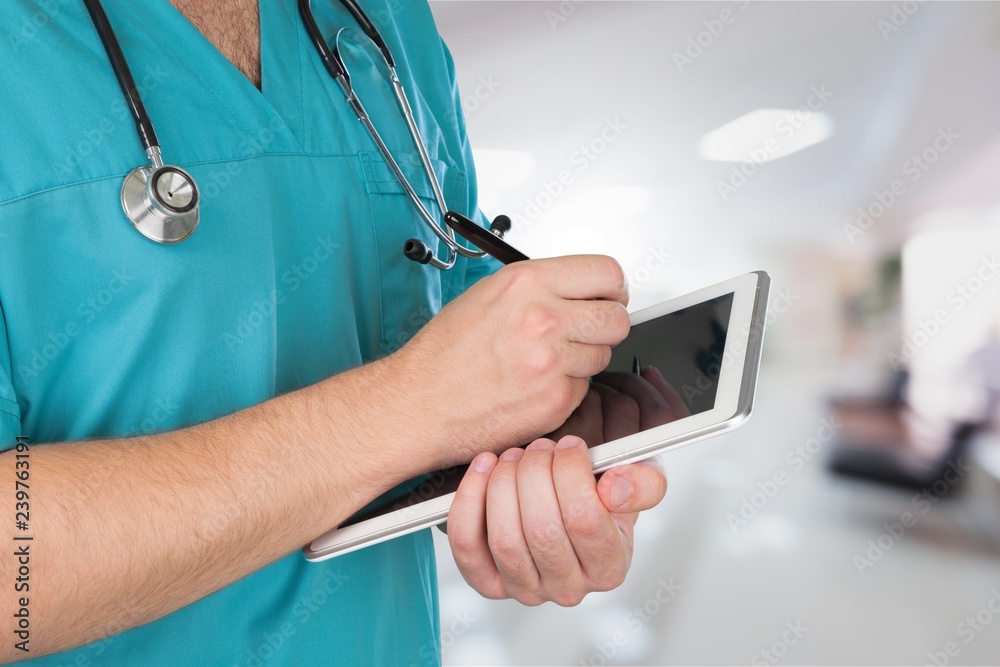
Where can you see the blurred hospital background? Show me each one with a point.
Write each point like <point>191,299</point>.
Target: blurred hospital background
<point>851,149</point>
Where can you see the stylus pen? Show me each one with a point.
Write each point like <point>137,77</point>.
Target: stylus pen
<point>636,366</point>
<point>484,239</point>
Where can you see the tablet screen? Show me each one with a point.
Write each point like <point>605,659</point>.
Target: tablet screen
<point>686,346</point>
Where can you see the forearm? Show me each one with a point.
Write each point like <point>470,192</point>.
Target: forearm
<point>127,531</point>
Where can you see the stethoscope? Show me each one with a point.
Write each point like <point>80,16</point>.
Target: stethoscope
<point>163,201</point>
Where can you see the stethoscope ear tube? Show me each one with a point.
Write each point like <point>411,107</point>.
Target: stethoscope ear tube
<point>368,28</point>
<point>413,249</point>
<point>329,59</point>
<point>124,75</point>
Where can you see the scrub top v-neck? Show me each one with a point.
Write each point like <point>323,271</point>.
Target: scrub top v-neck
<point>295,274</point>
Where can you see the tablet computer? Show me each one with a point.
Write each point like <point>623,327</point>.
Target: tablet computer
<point>706,344</point>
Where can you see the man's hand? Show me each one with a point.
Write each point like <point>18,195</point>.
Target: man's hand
<point>536,525</point>
<point>512,357</point>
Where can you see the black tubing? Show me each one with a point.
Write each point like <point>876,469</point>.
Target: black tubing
<point>122,72</point>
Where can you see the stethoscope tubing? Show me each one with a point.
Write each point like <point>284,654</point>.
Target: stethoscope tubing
<point>335,67</point>
<point>144,126</point>
<point>142,202</point>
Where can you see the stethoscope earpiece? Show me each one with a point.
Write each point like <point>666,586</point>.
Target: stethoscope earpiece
<point>418,251</point>
<point>501,225</point>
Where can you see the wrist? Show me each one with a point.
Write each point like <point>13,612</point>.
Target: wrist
<point>427,430</point>
<point>378,417</point>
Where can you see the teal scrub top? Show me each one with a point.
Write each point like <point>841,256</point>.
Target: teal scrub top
<point>295,274</point>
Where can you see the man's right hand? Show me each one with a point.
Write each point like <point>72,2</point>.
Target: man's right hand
<point>510,359</point>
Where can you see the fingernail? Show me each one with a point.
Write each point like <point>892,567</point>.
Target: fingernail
<point>512,454</point>
<point>569,441</point>
<point>483,463</point>
<point>620,491</point>
<point>542,444</point>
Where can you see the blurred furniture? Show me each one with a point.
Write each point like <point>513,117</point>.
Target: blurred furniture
<point>947,366</point>
<point>875,443</point>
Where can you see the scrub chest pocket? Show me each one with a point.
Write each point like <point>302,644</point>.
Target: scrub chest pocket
<point>409,293</point>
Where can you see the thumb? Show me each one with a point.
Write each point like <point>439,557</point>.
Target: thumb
<point>632,488</point>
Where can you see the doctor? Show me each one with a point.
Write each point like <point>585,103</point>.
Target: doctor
<point>199,411</point>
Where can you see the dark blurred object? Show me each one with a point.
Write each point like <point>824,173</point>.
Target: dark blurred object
<point>875,442</point>
<point>895,463</point>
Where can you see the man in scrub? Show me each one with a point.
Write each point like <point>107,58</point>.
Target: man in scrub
<point>197,412</point>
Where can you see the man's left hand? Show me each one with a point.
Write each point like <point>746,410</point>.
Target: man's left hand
<point>536,525</point>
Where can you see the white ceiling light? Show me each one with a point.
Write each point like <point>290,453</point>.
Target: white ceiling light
<point>765,135</point>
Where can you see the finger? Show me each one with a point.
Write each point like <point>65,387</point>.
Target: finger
<point>562,579</point>
<point>582,277</point>
<point>586,421</point>
<point>620,412</point>
<point>632,488</point>
<point>583,361</point>
<point>597,322</point>
<point>653,409</point>
<point>653,376</point>
<point>596,537</point>
<point>505,535</point>
<point>467,530</point>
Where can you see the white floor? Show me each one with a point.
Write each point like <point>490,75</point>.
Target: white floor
<point>792,565</point>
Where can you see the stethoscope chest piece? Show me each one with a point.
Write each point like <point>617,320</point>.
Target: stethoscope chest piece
<point>161,202</point>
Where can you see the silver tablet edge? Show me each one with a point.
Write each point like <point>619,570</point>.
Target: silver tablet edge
<point>370,539</point>
<point>748,388</point>
<point>755,348</point>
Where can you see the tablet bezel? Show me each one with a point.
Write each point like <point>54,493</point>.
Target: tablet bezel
<point>733,406</point>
